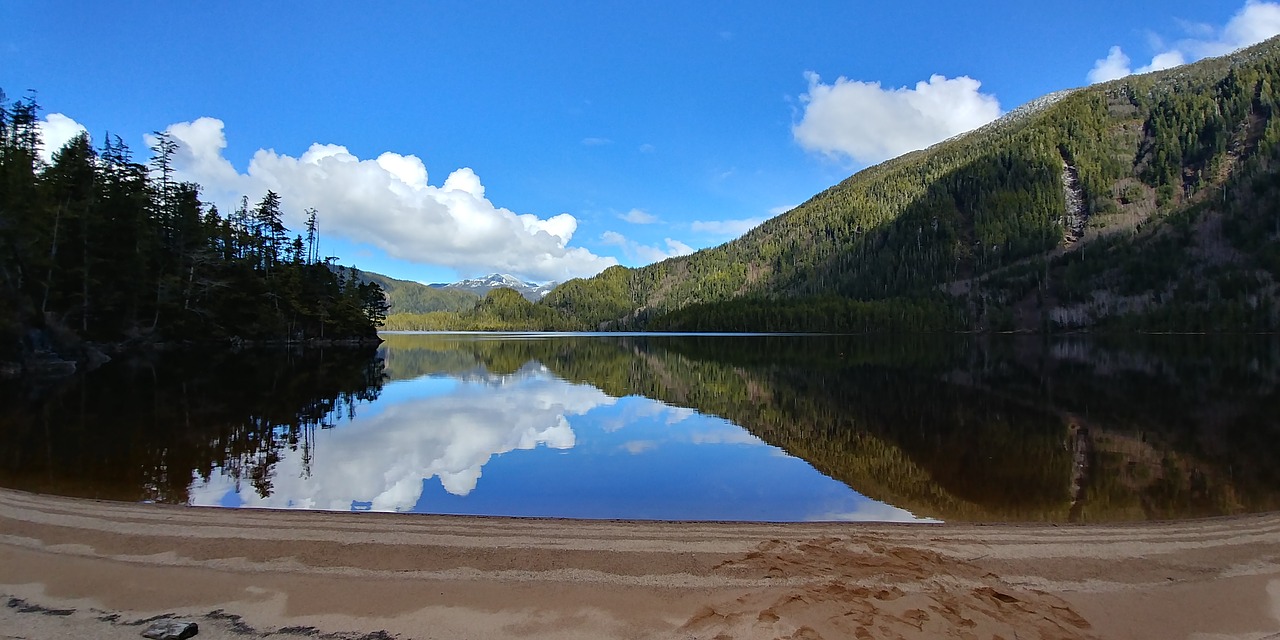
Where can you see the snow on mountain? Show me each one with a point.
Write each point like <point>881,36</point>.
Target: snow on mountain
<point>481,286</point>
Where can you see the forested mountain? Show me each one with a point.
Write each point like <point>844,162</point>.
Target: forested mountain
<point>98,246</point>
<point>497,302</point>
<point>501,309</point>
<point>407,296</point>
<point>1150,202</point>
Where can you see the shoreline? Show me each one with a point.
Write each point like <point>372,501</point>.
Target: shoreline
<point>79,568</point>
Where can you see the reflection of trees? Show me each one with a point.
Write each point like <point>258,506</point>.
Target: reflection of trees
<point>873,414</point>
<point>409,356</point>
<point>964,430</point>
<point>141,430</point>
<point>958,428</point>
<point>1182,425</point>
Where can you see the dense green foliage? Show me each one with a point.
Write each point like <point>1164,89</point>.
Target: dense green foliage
<point>1151,202</point>
<point>98,246</point>
<point>827,314</point>
<point>501,309</point>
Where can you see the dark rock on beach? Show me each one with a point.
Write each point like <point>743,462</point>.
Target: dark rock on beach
<point>171,630</point>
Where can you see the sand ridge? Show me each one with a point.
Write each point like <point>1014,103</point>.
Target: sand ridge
<point>106,565</point>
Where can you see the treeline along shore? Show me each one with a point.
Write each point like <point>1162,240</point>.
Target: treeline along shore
<point>101,253</point>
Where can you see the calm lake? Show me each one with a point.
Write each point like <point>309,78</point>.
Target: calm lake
<point>678,427</point>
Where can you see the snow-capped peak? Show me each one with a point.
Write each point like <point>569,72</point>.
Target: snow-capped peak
<point>482,285</point>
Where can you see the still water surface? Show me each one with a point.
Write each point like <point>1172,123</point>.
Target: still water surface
<point>775,428</point>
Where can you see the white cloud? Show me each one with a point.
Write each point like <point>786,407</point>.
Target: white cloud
<point>1115,65</point>
<point>638,216</point>
<point>384,459</point>
<point>199,154</point>
<point>647,148</point>
<point>673,248</point>
<point>868,123</point>
<point>613,238</point>
<point>56,130</point>
<point>1254,22</point>
<point>646,254</point>
<point>725,228</point>
<point>388,203</point>
<point>1166,60</point>
<point>596,142</point>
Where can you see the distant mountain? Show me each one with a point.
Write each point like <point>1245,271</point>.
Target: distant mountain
<point>480,286</point>
<point>1148,203</point>
<point>406,296</point>
<point>409,298</point>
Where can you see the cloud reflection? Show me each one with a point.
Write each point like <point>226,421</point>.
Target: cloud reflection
<point>644,410</point>
<point>726,434</point>
<point>637,447</point>
<point>382,461</point>
<point>872,511</point>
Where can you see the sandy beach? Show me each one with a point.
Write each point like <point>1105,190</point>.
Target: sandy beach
<point>74,568</point>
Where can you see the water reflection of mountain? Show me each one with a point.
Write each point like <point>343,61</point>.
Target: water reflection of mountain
<point>964,430</point>
<point>944,426</point>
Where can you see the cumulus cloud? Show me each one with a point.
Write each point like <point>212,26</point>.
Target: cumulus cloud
<point>1254,22</point>
<point>56,130</point>
<point>646,254</point>
<point>383,460</point>
<point>388,202</point>
<point>638,216</point>
<point>725,228</point>
<point>198,155</point>
<point>868,123</point>
<point>1115,65</point>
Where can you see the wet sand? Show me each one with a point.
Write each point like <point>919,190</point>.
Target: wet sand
<point>86,569</point>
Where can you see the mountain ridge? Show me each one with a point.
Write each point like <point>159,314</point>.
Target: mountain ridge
<point>1155,251</point>
<point>482,285</point>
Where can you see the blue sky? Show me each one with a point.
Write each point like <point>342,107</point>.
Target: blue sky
<point>551,139</point>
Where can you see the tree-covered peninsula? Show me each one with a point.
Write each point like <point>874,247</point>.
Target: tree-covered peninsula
<point>97,247</point>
